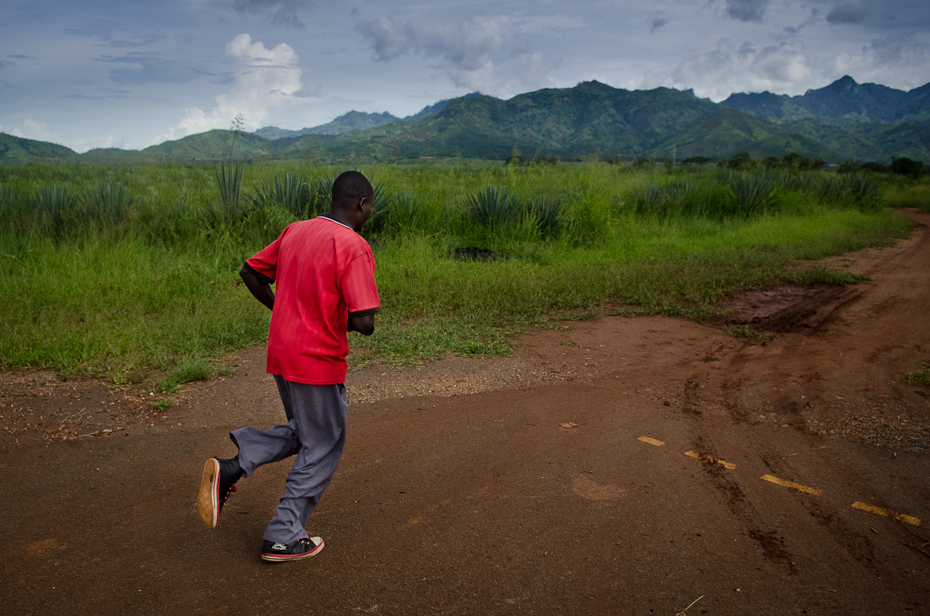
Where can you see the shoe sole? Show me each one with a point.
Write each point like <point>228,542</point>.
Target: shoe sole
<point>209,498</point>
<point>283,558</point>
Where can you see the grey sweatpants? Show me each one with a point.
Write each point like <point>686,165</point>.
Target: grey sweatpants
<point>316,433</point>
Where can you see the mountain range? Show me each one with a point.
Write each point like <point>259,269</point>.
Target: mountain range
<point>844,120</point>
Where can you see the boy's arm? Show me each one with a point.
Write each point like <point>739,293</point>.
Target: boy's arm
<point>364,325</point>
<point>259,288</point>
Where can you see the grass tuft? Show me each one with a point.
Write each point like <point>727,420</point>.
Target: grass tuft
<point>823,275</point>
<point>922,376</point>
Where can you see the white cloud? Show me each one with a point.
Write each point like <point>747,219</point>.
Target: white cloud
<point>264,80</point>
<point>716,74</point>
<point>897,61</point>
<point>476,54</point>
<point>36,130</point>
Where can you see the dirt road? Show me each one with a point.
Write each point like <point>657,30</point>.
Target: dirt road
<point>618,466</point>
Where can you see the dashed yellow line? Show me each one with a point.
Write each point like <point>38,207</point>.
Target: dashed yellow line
<point>888,514</point>
<point>790,484</point>
<point>908,519</point>
<point>693,454</point>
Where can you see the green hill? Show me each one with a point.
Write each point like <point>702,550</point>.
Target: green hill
<point>842,103</point>
<point>354,120</point>
<point>18,149</point>
<point>210,146</point>
<point>728,132</point>
<point>589,120</point>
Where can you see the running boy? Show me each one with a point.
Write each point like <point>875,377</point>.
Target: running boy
<point>324,276</point>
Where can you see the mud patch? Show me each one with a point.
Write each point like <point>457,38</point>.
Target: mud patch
<point>784,309</point>
<point>587,488</point>
<point>773,547</point>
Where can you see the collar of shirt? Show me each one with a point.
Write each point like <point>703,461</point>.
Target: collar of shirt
<point>338,222</point>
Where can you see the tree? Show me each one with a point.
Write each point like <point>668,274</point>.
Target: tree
<point>741,162</point>
<point>771,162</point>
<point>849,166</point>
<point>796,161</point>
<point>907,167</point>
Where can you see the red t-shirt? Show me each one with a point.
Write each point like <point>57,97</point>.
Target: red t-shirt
<point>323,272</point>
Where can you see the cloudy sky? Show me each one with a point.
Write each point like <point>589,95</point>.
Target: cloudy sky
<point>133,73</point>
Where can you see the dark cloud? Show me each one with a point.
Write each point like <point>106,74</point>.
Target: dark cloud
<point>746,10</point>
<point>466,45</point>
<point>6,64</point>
<point>848,13</point>
<point>281,12</point>
<point>476,54</point>
<point>658,22</point>
<point>144,68</point>
<point>106,32</point>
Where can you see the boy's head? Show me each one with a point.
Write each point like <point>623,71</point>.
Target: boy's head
<point>353,198</point>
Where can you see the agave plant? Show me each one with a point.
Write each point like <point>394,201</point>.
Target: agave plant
<point>751,194</point>
<point>290,191</point>
<point>493,207</point>
<point>321,195</point>
<point>57,205</point>
<point>649,199</point>
<point>11,201</point>
<point>547,210</point>
<point>864,191</point>
<point>107,202</point>
<point>394,213</point>
<point>229,181</point>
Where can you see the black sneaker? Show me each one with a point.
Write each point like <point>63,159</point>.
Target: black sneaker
<point>295,550</point>
<point>219,481</point>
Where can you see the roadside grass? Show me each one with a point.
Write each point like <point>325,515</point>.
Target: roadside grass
<point>150,286</point>
<point>901,192</point>
<point>922,376</point>
<point>823,275</point>
<point>748,333</point>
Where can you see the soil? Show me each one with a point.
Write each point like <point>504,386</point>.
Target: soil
<point>606,466</point>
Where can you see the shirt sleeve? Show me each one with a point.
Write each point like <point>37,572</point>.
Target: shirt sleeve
<point>265,261</point>
<point>358,285</point>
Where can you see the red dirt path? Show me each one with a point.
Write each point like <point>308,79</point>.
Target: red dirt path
<point>518,485</point>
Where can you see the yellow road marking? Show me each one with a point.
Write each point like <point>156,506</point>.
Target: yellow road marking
<point>651,441</point>
<point>888,514</point>
<point>692,454</point>
<point>790,484</point>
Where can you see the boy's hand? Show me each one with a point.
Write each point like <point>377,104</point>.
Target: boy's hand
<point>364,325</point>
<point>261,290</point>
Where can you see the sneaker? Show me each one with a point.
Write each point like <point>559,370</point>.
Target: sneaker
<point>295,550</point>
<point>219,481</point>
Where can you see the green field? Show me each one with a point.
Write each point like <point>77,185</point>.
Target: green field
<point>130,272</point>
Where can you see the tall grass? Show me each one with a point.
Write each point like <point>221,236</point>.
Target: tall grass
<point>117,271</point>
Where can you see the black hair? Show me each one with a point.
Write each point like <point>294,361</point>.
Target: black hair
<point>349,187</point>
